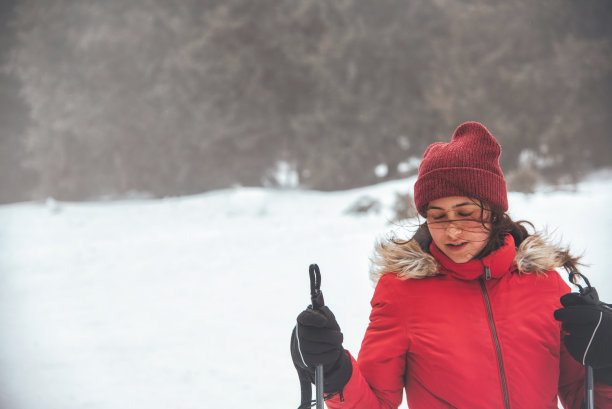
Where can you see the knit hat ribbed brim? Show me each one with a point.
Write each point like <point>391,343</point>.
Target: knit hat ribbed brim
<point>466,166</point>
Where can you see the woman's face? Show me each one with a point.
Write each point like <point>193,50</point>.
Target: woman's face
<point>457,228</point>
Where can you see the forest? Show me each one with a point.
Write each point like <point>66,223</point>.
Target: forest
<point>110,99</point>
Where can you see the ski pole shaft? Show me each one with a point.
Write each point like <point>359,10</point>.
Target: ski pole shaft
<point>589,387</point>
<point>319,386</point>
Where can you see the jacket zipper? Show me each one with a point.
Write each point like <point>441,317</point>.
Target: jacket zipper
<point>494,331</point>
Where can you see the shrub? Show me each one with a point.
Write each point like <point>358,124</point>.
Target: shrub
<point>404,207</point>
<point>523,180</point>
<point>364,205</point>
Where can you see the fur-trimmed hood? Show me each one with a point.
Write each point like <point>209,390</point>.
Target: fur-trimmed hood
<point>406,258</point>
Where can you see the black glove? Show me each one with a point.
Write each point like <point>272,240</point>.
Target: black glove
<point>588,324</point>
<point>316,339</point>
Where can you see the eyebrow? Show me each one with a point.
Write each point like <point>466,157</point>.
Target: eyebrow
<point>457,205</point>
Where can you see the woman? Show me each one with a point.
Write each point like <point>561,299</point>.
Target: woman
<point>463,315</point>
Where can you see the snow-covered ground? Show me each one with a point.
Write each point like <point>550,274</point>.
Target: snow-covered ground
<point>189,302</point>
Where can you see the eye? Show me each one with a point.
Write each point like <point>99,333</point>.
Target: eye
<point>436,215</point>
<point>464,214</point>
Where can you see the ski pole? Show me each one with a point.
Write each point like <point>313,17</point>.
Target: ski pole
<point>316,296</point>
<point>590,295</point>
<point>589,390</point>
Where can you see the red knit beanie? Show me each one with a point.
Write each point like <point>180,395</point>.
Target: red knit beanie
<point>466,166</point>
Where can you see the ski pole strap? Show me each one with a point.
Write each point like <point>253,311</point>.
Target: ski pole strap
<point>589,293</point>
<point>573,277</point>
<point>306,389</point>
<point>316,296</point>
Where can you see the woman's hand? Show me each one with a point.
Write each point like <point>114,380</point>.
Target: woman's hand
<point>316,339</point>
<point>589,333</point>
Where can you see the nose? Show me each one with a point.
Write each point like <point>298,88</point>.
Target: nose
<point>453,230</point>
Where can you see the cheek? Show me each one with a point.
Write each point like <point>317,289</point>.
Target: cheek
<point>436,236</point>
<point>479,236</point>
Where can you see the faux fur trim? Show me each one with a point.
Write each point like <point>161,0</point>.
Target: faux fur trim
<point>536,255</point>
<point>406,258</point>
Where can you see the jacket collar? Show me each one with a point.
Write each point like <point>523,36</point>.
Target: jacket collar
<point>494,265</point>
<point>407,260</point>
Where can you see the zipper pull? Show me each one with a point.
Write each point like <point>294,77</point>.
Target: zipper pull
<point>487,272</point>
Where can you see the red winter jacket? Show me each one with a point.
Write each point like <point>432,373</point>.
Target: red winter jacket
<point>474,335</point>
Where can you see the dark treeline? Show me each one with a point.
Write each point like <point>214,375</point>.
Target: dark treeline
<point>107,97</point>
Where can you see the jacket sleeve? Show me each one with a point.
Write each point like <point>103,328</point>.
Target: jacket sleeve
<point>377,381</point>
<point>571,377</point>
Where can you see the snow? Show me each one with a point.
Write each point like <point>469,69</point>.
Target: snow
<point>381,170</point>
<point>189,302</point>
<point>410,165</point>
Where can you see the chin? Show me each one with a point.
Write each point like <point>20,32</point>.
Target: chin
<point>461,260</point>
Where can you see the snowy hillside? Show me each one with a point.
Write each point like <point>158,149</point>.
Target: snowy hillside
<point>189,302</point>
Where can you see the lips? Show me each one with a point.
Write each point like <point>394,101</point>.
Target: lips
<point>456,246</point>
